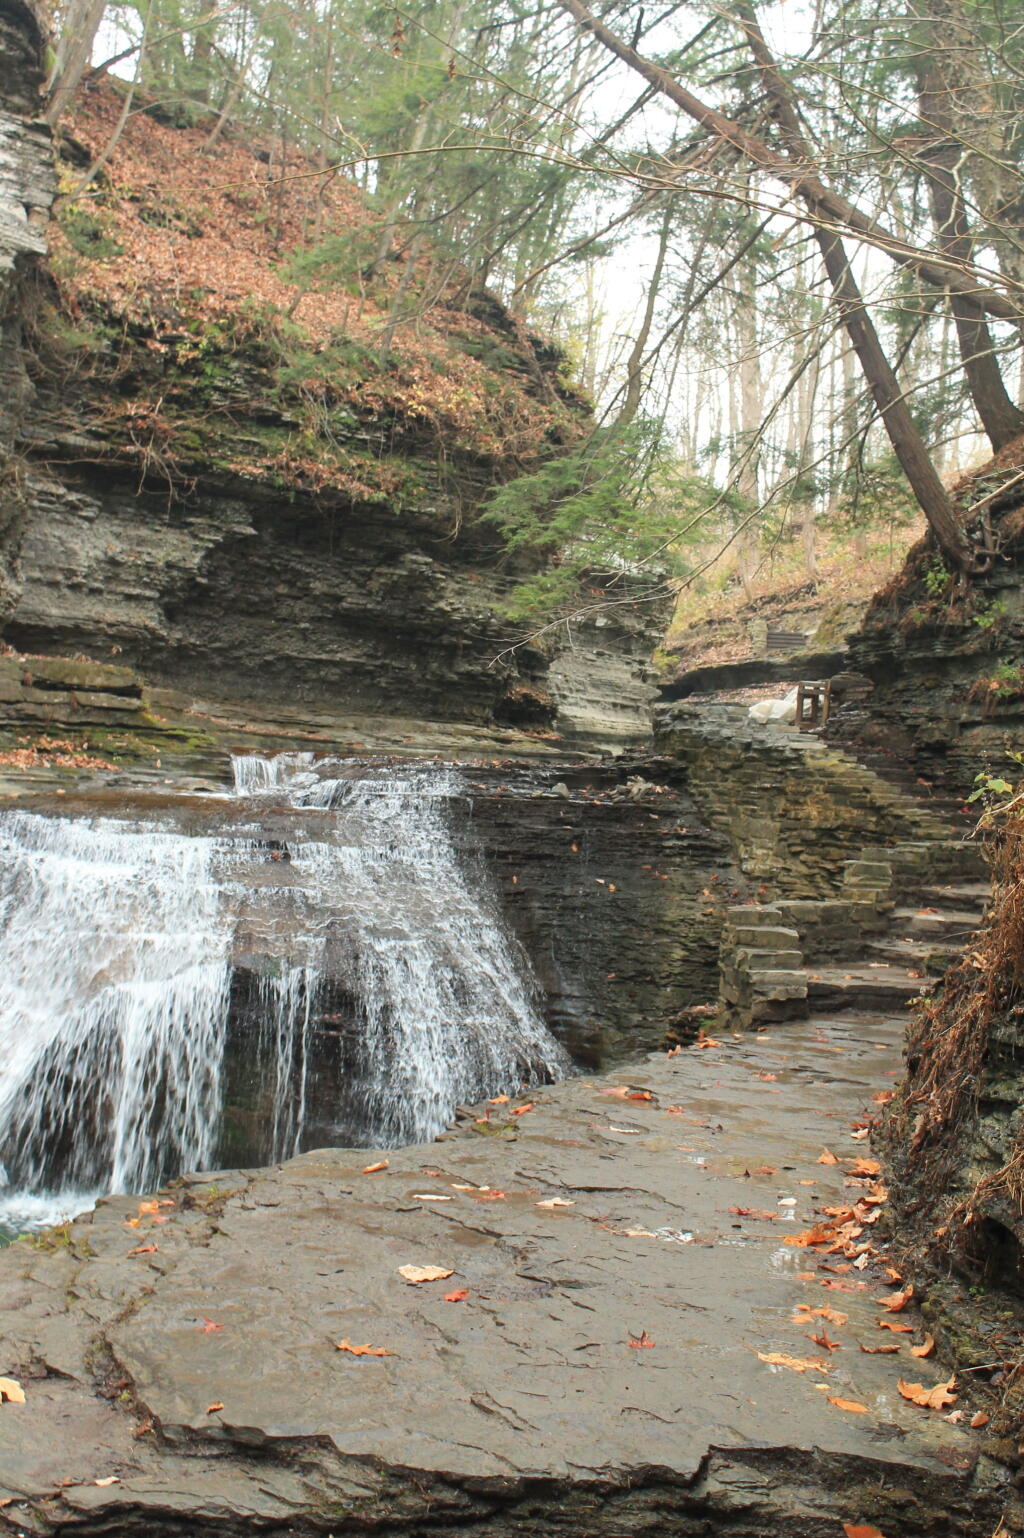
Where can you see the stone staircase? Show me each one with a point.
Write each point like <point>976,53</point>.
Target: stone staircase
<point>902,914</point>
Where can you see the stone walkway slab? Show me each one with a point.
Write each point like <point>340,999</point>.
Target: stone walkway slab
<point>615,1261</point>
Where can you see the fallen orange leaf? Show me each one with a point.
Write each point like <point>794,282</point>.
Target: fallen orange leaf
<point>853,1531</point>
<point>11,1391</point>
<point>795,1363</point>
<point>499,1100</point>
<point>458,1296</point>
<point>346,1345</point>
<point>145,1249</point>
<point>880,1350</point>
<point>521,1110</point>
<point>823,1341</point>
<point>896,1327</point>
<point>371,1169</point>
<point>805,1312</point>
<point>936,1398</point>
<point>865,1167</point>
<point>642,1342</point>
<point>979,1420</point>
<point>849,1404</point>
<point>926,1347</point>
<point>208,1327</point>
<point>211,1409</point>
<point>822,1233</point>
<point>898,1302</point>
<point>417,1274</point>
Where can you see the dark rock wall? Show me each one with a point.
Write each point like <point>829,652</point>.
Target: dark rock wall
<point>949,679</point>
<point>793,812</point>
<point>27,185</point>
<point>243,590</point>
<point>616,887</point>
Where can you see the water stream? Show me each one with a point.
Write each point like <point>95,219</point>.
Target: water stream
<point>312,963</point>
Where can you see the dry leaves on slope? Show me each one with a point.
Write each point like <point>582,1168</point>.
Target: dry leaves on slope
<point>926,1347</point>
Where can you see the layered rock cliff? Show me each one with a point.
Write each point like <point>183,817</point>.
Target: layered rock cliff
<point>27,186</point>
<point>946,657</point>
<point>257,489</point>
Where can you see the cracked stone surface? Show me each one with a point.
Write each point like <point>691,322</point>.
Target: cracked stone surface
<point>189,1352</point>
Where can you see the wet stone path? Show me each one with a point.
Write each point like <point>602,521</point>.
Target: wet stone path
<point>592,1357</point>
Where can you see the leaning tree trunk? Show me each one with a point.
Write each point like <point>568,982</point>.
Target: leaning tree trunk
<point>827,211</point>
<point>939,154</point>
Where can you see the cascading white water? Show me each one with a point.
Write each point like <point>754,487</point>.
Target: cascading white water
<point>444,1010</point>
<point>121,941</point>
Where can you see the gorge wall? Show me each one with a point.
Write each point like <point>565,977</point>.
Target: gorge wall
<point>230,484</point>
<point>947,658</point>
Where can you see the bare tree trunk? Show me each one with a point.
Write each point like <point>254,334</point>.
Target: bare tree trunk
<point>1000,418</point>
<point>751,411</point>
<point>238,84</point>
<point>74,53</point>
<point>126,107</point>
<point>824,209</point>
<point>635,361</point>
<point>802,179</point>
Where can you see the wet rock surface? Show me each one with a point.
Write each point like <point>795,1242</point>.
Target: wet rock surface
<point>615,1265</point>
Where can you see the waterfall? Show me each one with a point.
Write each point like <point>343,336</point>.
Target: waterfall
<point>316,963</point>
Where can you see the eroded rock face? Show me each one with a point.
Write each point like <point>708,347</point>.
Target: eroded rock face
<point>27,186</point>
<point>250,592</point>
<point>948,676</point>
<point>616,886</point>
<point>794,812</point>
